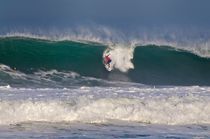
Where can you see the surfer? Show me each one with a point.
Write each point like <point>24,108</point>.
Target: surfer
<point>107,60</point>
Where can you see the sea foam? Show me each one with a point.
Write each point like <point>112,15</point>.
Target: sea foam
<point>172,106</point>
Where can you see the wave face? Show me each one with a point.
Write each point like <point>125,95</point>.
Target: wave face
<point>25,60</point>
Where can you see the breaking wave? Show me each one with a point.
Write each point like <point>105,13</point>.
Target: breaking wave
<point>41,60</point>
<point>173,106</point>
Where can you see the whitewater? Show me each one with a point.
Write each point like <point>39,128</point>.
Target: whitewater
<point>59,87</point>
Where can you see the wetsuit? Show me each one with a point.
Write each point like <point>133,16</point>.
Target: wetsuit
<point>107,60</point>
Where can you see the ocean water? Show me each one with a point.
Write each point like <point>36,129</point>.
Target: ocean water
<point>59,88</point>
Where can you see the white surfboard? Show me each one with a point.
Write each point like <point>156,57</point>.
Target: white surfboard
<point>108,67</point>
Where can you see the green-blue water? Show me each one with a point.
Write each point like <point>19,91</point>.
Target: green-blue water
<point>154,65</point>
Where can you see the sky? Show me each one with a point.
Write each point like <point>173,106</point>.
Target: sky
<point>116,13</point>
